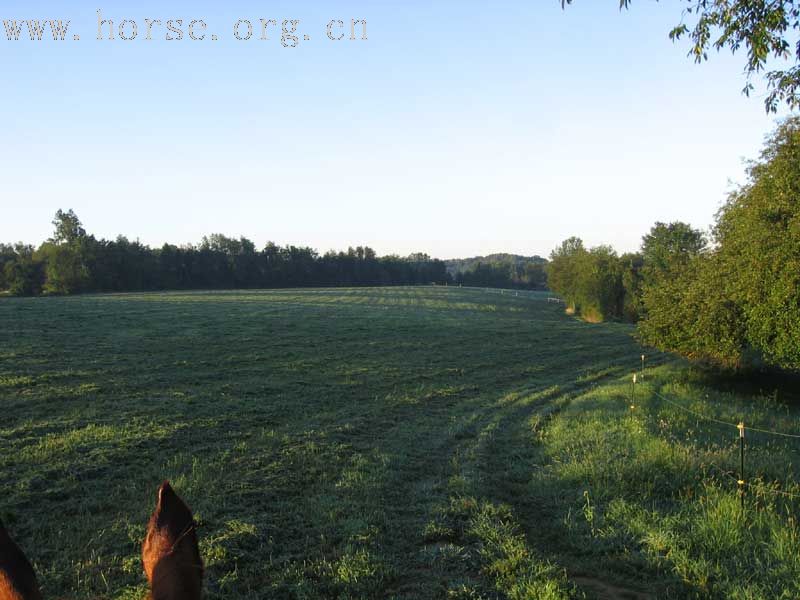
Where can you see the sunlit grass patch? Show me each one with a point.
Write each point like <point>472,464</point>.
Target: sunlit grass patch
<point>656,486</point>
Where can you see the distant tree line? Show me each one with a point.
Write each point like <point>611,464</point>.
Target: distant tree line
<point>500,271</point>
<point>73,261</point>
<point>730,299</point>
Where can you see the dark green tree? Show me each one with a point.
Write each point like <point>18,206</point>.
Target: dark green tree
<point>590,281</point>
<point>65,256</point>
<point>7,255</point>
<point>758,240</point>
<point>692,314</point>
<point>562,271</point>
<point>598,291</point>
<point>631,265</point>
<point>68,228</point>
<point>738,304</point>
<point>668,248</point>
<point>24,274</point>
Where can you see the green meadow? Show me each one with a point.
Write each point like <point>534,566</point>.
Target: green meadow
<point>421,442</point>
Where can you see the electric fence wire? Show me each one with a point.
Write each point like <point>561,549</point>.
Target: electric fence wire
<point>730,474</point>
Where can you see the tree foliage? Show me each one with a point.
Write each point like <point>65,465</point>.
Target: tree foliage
<point>500,271</point>
<point>690,313</point>
<point>590,281</point>
<point>72,261</point>
<point>597,284</point>
<point>738,305</point>
<point>631,265</point>
<point>23,272</point>
<point>758,235</point>
<point>765,30</point>
<point>562,271</point>
<point>68,228</point>
<point>668,248</point>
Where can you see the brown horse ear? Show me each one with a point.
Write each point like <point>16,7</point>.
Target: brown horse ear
<point>171,512</point>
<point>170,552</point>
<point>168,500</point>
<point>17,579</point>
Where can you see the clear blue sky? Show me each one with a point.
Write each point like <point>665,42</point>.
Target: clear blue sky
<point>459,128</point>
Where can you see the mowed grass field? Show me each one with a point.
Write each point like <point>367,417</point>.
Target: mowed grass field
<point>381,443</point>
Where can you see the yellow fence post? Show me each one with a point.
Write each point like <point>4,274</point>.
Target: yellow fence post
<point>741,465</point>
